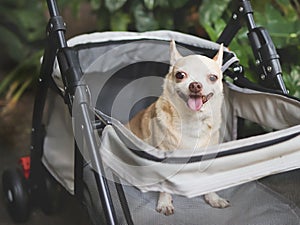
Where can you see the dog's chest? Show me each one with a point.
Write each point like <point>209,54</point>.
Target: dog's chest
<point>195,134</point>
<point>175,133</point>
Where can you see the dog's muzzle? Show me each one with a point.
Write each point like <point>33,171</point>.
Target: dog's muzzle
<point>195,102</point>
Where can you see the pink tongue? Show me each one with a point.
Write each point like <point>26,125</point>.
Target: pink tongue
<point>195,103</point>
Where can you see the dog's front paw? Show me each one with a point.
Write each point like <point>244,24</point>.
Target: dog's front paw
<point>165,208</point>
<point>165,204</point>
<point>216,201</point>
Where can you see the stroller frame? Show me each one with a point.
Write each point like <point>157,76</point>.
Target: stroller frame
<point>56,46</point>
<point>56,43</point>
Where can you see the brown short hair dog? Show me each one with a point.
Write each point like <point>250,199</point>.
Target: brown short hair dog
<point>188,113</point>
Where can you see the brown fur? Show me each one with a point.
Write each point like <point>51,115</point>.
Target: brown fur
<point>170,123</point>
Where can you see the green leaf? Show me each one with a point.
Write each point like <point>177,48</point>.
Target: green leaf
<point>95,4</point>
<point>292,81</point>
<point>165,19</point>
<point>103,23</point>
<point>211,10</point>
<point>12,45</point>
<point>176,4</point>
<point>114,5</point>
<point>26,70</point>
<point>31,23</point>
<point>149,4</point>
<point>288,10</point>
<point>119,21</point>
<point>144,19</point>
<point>279,27</point>
<point>162,3</point>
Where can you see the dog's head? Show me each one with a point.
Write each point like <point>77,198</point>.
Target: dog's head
<point>195,79</point>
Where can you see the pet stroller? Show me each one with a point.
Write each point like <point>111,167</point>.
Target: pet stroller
<point>93,84</point>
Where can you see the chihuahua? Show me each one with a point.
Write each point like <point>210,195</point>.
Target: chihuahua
<point>187,115</point>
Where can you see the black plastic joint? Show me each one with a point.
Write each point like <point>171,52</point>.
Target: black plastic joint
<point>245,7</point>
<point>70,69</point>
<point>56,23</point>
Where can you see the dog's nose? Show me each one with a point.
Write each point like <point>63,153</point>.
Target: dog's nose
<point>195,87</point>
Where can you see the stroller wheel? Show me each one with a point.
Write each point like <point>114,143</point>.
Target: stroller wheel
<point>16,192</point>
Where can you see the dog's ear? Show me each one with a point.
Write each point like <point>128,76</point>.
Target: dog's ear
<point>174,54</point>
<point>219,56</point>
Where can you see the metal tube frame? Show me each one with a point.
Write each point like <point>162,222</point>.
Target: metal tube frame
<point>56,46</point>
<point>266,57</point>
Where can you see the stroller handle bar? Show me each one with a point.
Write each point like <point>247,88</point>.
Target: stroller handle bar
<point>56,23</point>
<point>266,57</point>
<point>52,7</point>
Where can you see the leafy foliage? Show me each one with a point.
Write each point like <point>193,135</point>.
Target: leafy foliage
<point>22,27</point>
<point>280,17</point>
<point>293,80</point>
<point>21,24</point>
<point>18,80</point>
<point>143,15</point>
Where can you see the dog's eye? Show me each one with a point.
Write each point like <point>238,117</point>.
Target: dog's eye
<point>213,78</point>
<point>180,75</point>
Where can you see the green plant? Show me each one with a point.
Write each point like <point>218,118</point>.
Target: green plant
<point>18,80</point>
<point>292,81</point>
<point>22,28</point>
<point>280,17</point>
<point>144,15</point>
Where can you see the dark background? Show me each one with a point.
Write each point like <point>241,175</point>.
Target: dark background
<point>15,129</point>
